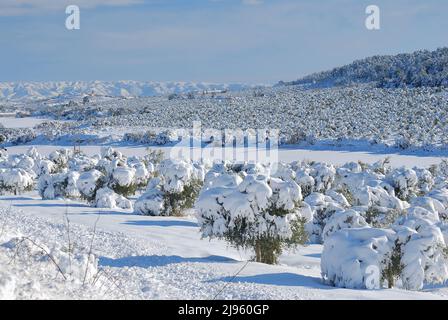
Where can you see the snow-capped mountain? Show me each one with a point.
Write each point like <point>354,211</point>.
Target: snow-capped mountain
<point>44,90</point>
<point>418,69</point>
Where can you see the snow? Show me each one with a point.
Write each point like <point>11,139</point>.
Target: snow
<point>286,154</point>
<point>164,258</point>
<point>60,89</point>
<point>150,203</point>
<point>87,182</point>
<point>165,248</point>
<point>344,219</point>
<point>107,198</point>
<point>7,286</point>
<point>348,254</point>
<point>355,198</point>
<point>13,122</point>
<point>123,176</point>
<point>15,179</point>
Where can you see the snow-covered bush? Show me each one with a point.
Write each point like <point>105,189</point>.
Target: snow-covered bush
<point>442,196</point>
<point>26,163</point>
<point>110,154</point>
<point>381,217</point>
<point>324,176</point>
<point>15,180</point>
<point>322,207</point>
<point>46,167</point>
<point>89,183</point>
<point>424,259</point>
<point>260,212</point>
<point>345,219</point>
<point>151,202</point>
<point>144,170</point>
<point>165,137</point>
<point>123,181</point>
<point>305,181</point>
<point>174,190</point>
<point>153,156</point>
<point>60,158</point>
<point>124,175</point>
<point>405,182</point>
<point>410,254</point>
<point>423,250</point>
<point>312,176</point>
<point>440,172</point>
<point>107,198</point>
<point>33,153</point>
<point>425,180</point>
<point>82,163</point>
<point>59,185</point>
<point>350,256</point>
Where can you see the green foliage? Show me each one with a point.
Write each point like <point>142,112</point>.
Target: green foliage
<point>379,219</point>
<point>394,267</point>
<point>299,234</point>
<point>15,189</point>
<point>384,167</point>
<point>154,156</point>
<point>176,202</point>
<point>347,194</point>
<point>100,183</point>
<point>268,246</point>
<point>61,162</point>
<point>267,250</point>
<point>125,191</point>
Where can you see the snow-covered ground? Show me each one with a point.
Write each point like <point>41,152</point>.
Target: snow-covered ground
<point>289,154</point>
<point>145,257</point>
<point>13,122</point>
<point>158,258</point>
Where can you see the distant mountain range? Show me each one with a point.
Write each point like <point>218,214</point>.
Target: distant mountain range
<point>66,89</point>
<point>418,69</point>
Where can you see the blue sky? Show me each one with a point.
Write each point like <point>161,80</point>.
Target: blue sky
<point>255,41</point>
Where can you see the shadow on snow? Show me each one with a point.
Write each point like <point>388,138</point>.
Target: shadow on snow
<point>161,223</point>
<point>279,279</point>
<point>158,261</point>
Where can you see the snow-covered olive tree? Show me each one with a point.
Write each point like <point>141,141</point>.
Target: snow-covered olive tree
<point>258,212</point>
<point>174,189</point>
<point>60,185</point>
<point>412,253</point>
<point>15,180</point>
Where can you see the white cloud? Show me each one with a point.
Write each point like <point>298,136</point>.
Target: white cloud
<point>27,7</point>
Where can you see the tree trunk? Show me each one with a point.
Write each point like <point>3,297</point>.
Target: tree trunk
<point>258,251</point>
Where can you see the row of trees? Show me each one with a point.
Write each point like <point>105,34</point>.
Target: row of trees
<point>270,208</point>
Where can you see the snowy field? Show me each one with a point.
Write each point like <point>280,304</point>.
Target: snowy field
<point>133,256</point>
<point>162,258</point>
<point>93,197</point>
<point>288,154</point>
<point>13,122</point>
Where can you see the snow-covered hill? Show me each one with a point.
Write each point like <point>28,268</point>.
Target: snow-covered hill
<point>44,90</point>
<point>418,69</point>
